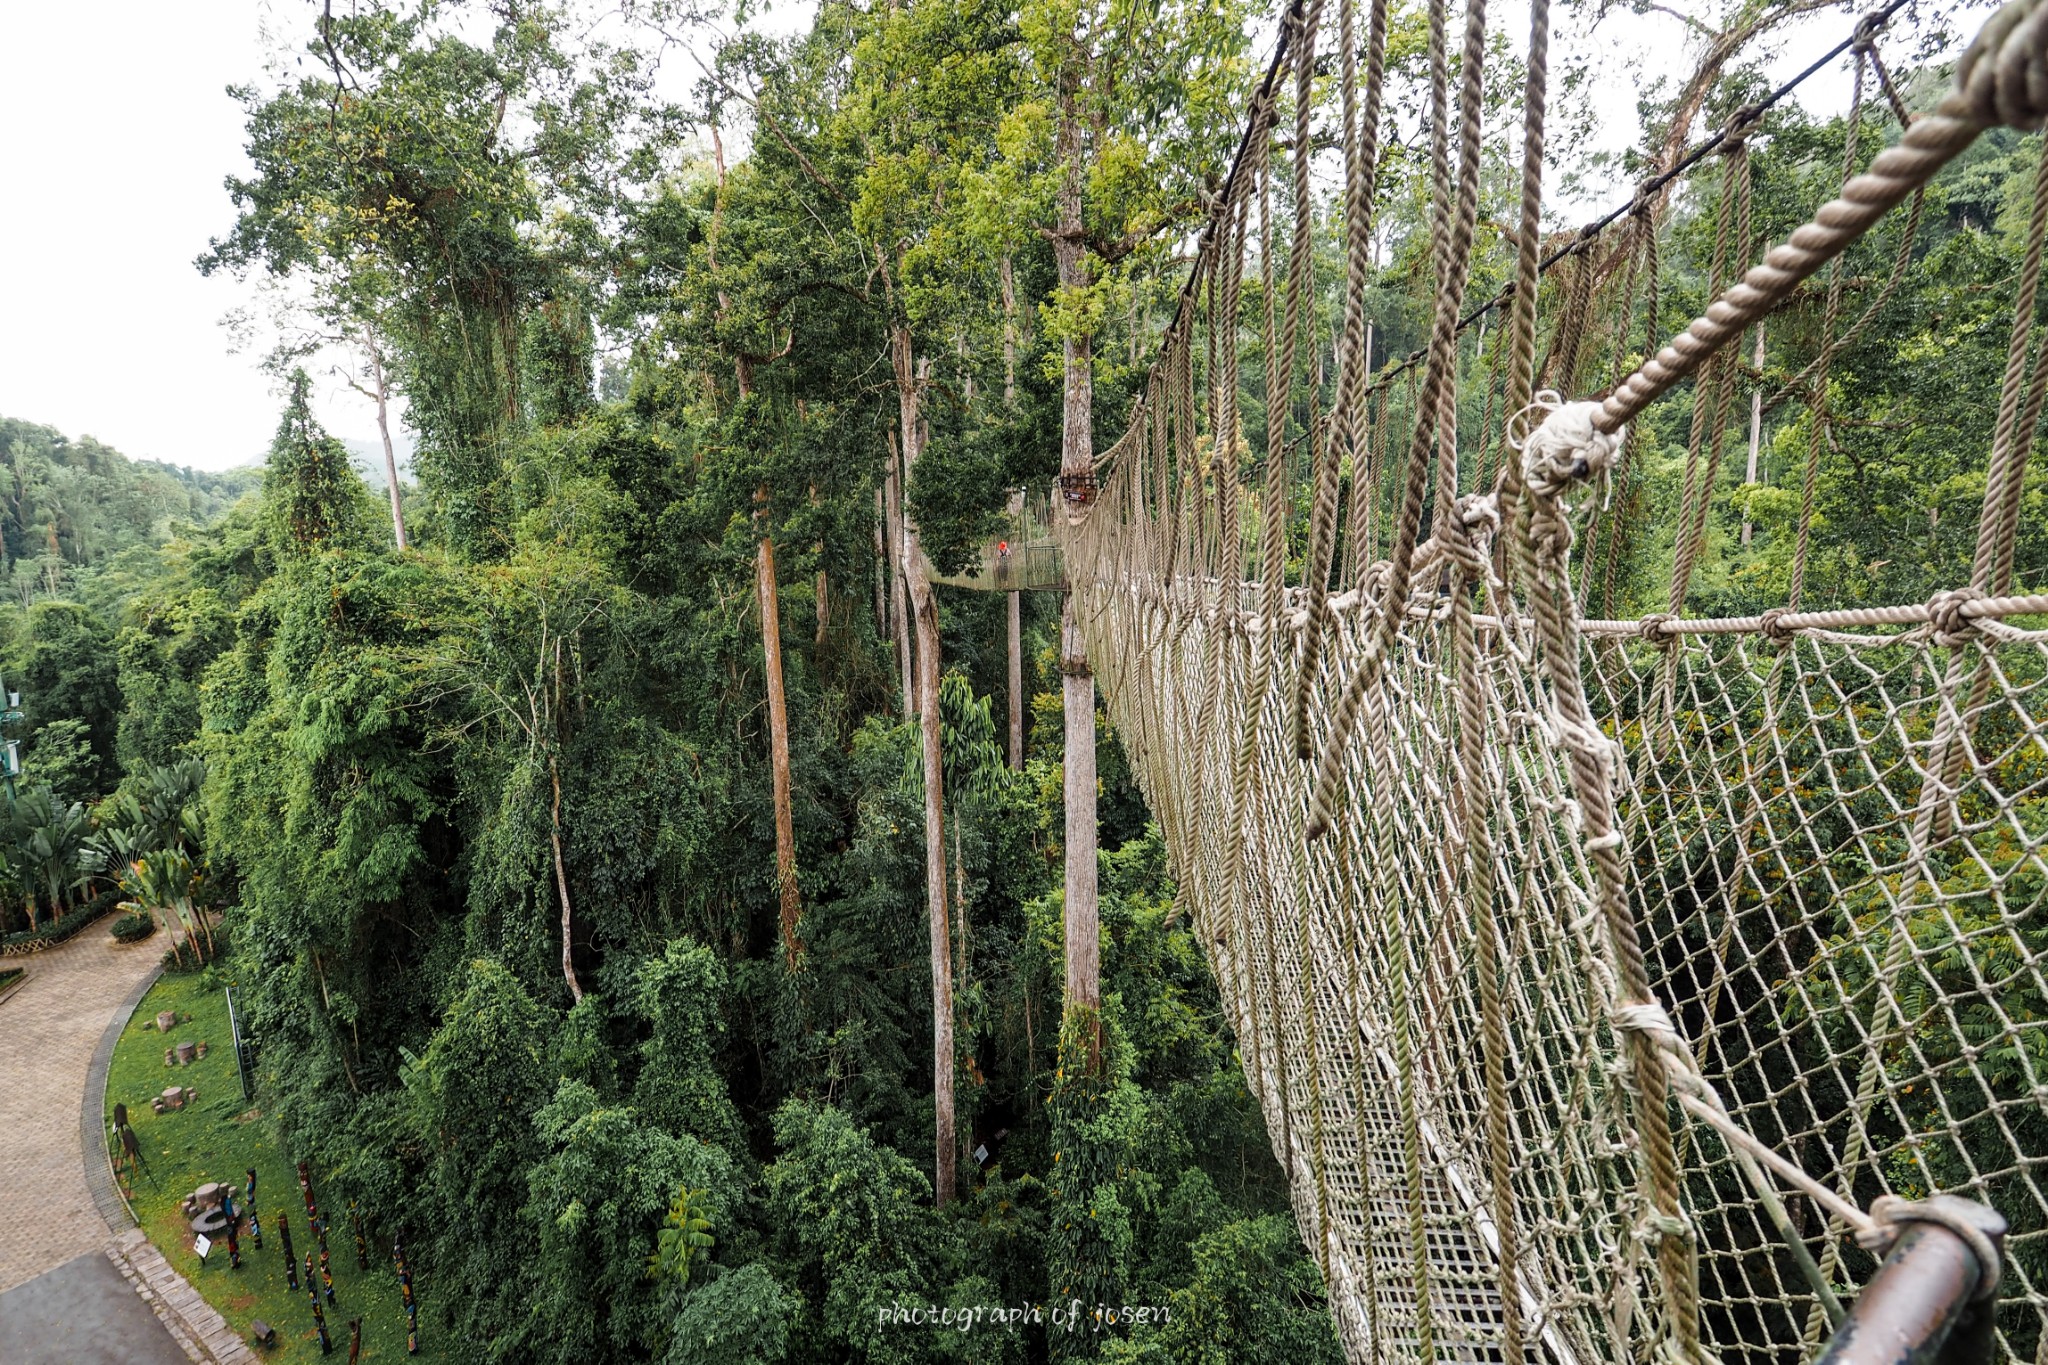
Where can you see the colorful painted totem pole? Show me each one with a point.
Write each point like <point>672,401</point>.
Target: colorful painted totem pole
<point>412,1307</point>
<point>319,1317</point>
<point>291,1262</point>
<point>229,1212</point>
<point>255,1223</point>
<point>319,1226</point>
<point>355,1216</point>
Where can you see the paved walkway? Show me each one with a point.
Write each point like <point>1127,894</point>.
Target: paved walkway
<point>49,1029</point>
<point>85,1312</point>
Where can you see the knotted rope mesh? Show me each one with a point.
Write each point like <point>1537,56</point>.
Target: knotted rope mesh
<point>1602,976</point>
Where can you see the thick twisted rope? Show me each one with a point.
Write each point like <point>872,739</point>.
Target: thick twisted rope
<point>1709,428</point>
<point>1467,534</point>
<point>2003,78</point>
<point>1440,373</point>
<point>1522,316</point>
<point>2013,436</point>
<point>1550,467</point>
<point>1361,154</point>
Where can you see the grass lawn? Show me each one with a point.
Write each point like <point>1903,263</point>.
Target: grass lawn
<point>217,1138</point>
<point>8,977</point>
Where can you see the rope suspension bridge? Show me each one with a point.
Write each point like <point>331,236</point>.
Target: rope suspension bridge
<point>1613,989</point>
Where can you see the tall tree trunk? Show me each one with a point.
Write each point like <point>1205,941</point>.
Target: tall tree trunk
<point>770,604</point>
<point>1007,275</point>
<point>1008,278</point>
<point>883,559</point>
<point>965,962</point>
<point>778,731</point>
<point>562,879</point>
<point>1077,684</point>
<point>944,1142</point>
<point>1083,923</point>
<point>1756,423</point>
<point>1016,659</point>
<point>899,611</point>
<point>384,430</point>
<point>1016,681</point>
<point>925,606</point>
<point>824,588</point>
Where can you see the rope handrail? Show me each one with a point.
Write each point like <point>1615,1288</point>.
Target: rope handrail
<point>1561,880</point>
<point>1296,614</point>
<point>2003,78</point>
<point>1646,193</point>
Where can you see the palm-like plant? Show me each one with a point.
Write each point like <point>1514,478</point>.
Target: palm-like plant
<point>47,858</point>
<point>165,885</point>
<point>685,1236</point>
<point>155,810</point>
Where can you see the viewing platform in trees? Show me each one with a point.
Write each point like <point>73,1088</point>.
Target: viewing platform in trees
<point>1024,558</point>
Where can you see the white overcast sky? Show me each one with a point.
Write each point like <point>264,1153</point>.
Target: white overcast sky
<point>115,135</point>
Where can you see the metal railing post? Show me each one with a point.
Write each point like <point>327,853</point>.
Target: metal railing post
<point>1933,1300</point>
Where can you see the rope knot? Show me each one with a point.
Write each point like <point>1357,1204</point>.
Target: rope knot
<point>1945,614</point>
<point>1373,582</point>
<point>1650,1019</point>
<point>1980,1228</point>
<point>1564,447</point>
<point>1651,628</point>
<point>1735,133</point>
<point>1668,1225</point>
<point>1773,625</point>
<point>1465,537</point>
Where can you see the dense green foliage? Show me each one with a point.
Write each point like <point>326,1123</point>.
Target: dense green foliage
<point>491,820</point>
<point>78,518</point>
<point>218,1136</point>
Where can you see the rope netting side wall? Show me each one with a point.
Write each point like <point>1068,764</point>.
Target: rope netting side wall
<point>1611,989</point>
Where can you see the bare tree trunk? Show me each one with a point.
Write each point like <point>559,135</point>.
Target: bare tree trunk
<point>1077,684</point>
<point>965,960</point>
<point>1756,423</point>
<point>1016,681</point>
<point>893,500</point>
<point>165,916</point>
<point>384,430</point>
<point>562,879</point>
<point>778,733</point>
<point>926,607</point>
<point>1016,605</point>
<point>205,929</point>
<point>1083,923</point>
<point>1016,659</point>
<point>824,593</point>
<point>883,559</point>
<point>1007,276</point>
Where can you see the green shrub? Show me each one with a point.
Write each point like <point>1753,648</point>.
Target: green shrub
<point>54,931</point>
<point>133,928</point>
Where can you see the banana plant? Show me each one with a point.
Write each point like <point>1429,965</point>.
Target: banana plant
<point>165,885</point>
<point>685,1235</point>
<point>47,858</point>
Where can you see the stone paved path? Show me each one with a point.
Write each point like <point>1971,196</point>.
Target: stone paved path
<point>48,1030</point>
<point>85,1312</point>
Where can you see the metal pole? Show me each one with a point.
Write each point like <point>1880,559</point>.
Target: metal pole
<point>1924,1306</point>
<point>235,1038</point>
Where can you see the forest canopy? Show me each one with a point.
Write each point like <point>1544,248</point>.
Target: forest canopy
<point>616,838</point>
